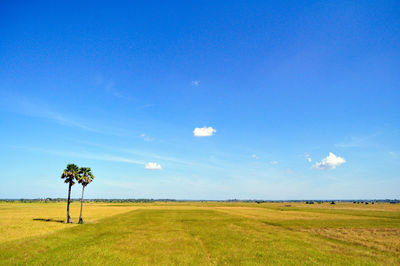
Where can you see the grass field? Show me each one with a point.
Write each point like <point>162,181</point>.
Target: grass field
<point>194,233</point>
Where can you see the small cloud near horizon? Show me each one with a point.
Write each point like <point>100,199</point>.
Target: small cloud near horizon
<point>273,162</point>
<point>330,162</point>
<point>254,156</point>
<point>204,131</point>
<point>152,166</point>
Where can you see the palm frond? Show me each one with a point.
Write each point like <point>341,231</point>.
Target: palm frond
<point>85,176</point>
<point>70,173</point>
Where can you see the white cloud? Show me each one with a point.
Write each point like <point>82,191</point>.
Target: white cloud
<point>309,160</point>
<point>203,131</point>
<point>195,83</point>
<point>109,87</point>
<point>254,156</point>
<point>152,166</point>
<point>273,162</point>
<point>329,162</point>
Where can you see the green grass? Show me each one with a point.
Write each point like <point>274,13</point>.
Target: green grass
<point>211,234</point>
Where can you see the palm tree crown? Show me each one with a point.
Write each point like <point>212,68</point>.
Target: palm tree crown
<point>85,176</point>
<point>70,173</point>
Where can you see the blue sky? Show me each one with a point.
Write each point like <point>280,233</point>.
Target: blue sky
<point>201,100</point>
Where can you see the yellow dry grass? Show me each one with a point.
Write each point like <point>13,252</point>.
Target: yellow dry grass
<point>199,233</point>
<point>22,220</point>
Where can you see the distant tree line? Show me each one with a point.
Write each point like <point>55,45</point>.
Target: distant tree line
<point>139,200</point>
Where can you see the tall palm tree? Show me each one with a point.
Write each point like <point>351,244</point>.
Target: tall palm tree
<point>70,174</point>
<point>85,178</point>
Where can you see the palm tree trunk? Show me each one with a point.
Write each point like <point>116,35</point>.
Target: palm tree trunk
<point>80,218</point>
<point>69,201</point>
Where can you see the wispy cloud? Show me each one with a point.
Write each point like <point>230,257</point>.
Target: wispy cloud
<point>141,154</point>
<point>109,86</point>
<point>35,108</point>
<point>308,158</point>
<point>70,122</point>
<point>118,94</point>
<point>204,131</point>
<point>195,83</point>
<point>144,106</point>
<point>145,137</point>
<point>357,142</point>
<point>63,120</point>
<point>85,155</point>
<point>31,107</point>
<point>165,158</point>
<point>273,162</point>
<point>330,162</point>
<point>254,156</point>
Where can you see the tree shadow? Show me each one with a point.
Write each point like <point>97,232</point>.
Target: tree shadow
<point>49,220</point>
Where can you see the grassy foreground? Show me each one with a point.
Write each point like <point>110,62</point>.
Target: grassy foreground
<point>201,233</point>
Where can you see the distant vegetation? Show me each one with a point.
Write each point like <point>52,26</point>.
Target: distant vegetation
<point>139,200</point>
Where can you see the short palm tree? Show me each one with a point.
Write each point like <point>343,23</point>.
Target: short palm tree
<point>70,174</point>
<point>85,178</point>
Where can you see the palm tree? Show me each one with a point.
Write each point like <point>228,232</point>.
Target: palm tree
<point>70,174</point>
<point>85,178</point>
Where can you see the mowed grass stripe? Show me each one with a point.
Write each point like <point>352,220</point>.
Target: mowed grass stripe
<point>390,214</point>
<point>314,219</point>
<point>175,236</point>
<point>379,237</point>
<point>388,252</point>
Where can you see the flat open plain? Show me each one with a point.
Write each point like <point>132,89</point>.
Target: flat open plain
<point>206,233</point>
